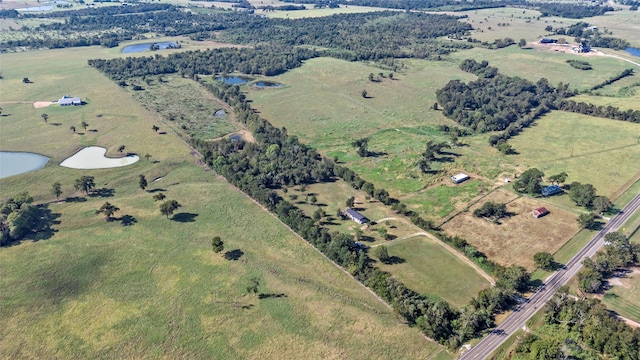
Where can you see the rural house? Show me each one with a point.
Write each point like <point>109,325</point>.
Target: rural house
<point>69,101</point>
<point>550,190</point>
<point>356,216</point>
<point>457,179</point>
<point>540,212</point>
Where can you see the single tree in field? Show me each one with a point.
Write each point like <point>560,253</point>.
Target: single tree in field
<point>254,283</point>
<point>582,194</point>
<point>84,125</point>
<point>121,148</point>
<point>169,207</point>
<point>142,182</point>
<point>361,145</point>
<point>358,234</point>
<point>317,215</point>
<point>85,184</point>
<point>601,204</point>
<point>159,197</point>
<point>108,210</point>
<point>26,80</point>
<point>0,111</point>
<point>73,129</point>
<point>370,76</point>
<point>155,128</point>
<point>364,93</point>
<point>544,260</point>
<point>217,244</point>
<point>313,199</point>
<point>522,43</point>
<point>351,201</point>
<point>56,189</point>
<point>45,118</point>
<point>382,254</point>
<point>391,76</point>
<point>147,156</point>
<point>435,106</point>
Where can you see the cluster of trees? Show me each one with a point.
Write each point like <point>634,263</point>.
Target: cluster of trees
<point>579,64</point>
<point>584,33</point>
<point>429,155</point>
<point>618,255</point>
<point>409,4</point>
<point>18,217</point>
<point>529,182</point>
<point>497,102</point>
<point>580,328</point>
<point>491,210</point>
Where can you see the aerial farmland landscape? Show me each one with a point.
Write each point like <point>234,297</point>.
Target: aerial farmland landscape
<point>320,179</point>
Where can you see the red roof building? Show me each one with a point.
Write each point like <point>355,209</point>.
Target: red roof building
<point>540,212</point>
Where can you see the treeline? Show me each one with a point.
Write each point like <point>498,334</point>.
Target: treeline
<point>577,328</point>
<point>19,218</point>
<point>608,111</point>
<point>362,36</point>
<point>572,11</point>
<point>410,4</point>
<point>580,65</point>
<point>264,60</point>
<point>133,8</point>
<point>611,80</point>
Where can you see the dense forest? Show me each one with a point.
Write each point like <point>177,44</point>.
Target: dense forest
<point>496,102</point>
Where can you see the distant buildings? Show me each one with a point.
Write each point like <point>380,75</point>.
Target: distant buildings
<point>457,179</point>
<point>356,216</point>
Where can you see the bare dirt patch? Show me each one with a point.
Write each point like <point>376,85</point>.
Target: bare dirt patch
<point>41,104</point>
<point>519,237</point>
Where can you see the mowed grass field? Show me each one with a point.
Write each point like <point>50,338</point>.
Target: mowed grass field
<point>96,289</point>
<point>517,238</point>
<point>602,152</point>
<point>426,266</point>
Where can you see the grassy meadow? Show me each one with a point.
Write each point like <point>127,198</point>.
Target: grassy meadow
<point>155,289</point>
<point>592,150</point>
<point>418,256</point>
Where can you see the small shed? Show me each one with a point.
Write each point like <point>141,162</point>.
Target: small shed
<point>356,216</point>
<point>551,190</point>
<point>457,179</point>
<point>540,212</point>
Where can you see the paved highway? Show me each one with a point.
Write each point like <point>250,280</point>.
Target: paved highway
<point>518,318</point>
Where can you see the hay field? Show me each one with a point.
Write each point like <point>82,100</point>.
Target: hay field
<point>96,289</point>
<point>518,237</point>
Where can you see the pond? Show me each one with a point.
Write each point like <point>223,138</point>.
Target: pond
<point>14,163</point>
<point>267,84</point>
<point>36,8</point>
<point>233,79</point>
<point>92,157</point>
<point>146,47</point>
<point>633,51</point>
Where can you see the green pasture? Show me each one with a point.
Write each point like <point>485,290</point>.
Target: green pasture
<point>97,289</point>
<point>624,299</point>
<point>311,12</point>
<point>536,63</point>
<point>592,150</point>
<point>622,24</point>
<point>440,200</point>
<point>427,267</point>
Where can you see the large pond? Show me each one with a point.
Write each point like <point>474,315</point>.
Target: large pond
<point>633,51</point>
<point>147,46</point>
<point>233,79</point>
<point>92,157</point>
<point>14,163</point>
